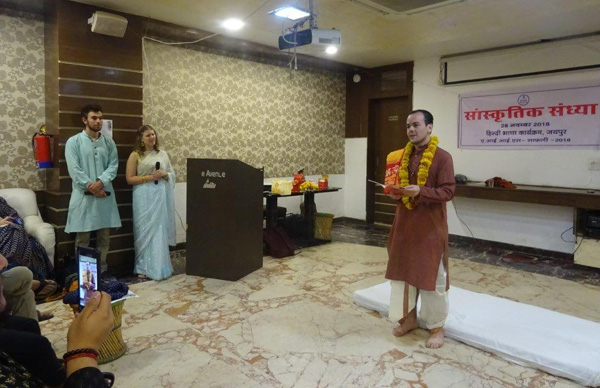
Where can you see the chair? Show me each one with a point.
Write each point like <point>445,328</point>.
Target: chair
<point>25,203</point>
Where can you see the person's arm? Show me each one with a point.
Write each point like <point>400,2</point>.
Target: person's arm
<point>88,331</point>
<point>79,177</point>
<point>131,171</point>
<point>113,163</point>
<point>3,262</point>
<point>7,210</point>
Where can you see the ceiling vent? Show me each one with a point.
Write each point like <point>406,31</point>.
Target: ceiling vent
<point>404,7</point>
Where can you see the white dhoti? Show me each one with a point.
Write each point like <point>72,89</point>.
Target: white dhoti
<point>434,304</point>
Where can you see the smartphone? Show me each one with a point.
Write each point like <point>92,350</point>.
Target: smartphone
<point>89,274</point>
<point>16,220</point>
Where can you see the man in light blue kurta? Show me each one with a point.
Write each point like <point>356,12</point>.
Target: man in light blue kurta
<point>92,162</point>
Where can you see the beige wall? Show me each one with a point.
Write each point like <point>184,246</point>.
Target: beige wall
<point>211,106</point>
<point>203,105</point>
<point>21,97</point>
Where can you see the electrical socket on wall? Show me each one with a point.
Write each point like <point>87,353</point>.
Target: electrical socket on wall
<point>594,165</point>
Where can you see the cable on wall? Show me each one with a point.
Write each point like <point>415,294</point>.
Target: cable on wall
<point>147,72</point>
<point>464,223</point>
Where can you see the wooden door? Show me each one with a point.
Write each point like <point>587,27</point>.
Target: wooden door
<point>387,133</point>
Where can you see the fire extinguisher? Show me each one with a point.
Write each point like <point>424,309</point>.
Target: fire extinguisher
<point>41,148</point>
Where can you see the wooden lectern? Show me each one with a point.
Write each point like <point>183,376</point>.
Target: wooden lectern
<point>225,218</point>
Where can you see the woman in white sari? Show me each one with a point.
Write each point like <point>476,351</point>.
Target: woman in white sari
<point>153,180</point>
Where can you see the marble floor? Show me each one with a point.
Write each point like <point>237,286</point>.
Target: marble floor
<point>480,251</point>
<point>293,324</point>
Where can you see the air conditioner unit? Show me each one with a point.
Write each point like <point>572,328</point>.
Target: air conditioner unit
<point>108,24</point>
<point>404,7</point>
<point>312,40</point>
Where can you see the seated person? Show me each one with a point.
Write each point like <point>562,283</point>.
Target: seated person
<point>27,357</point>
<point>19,247</point>
<point>18,292</point>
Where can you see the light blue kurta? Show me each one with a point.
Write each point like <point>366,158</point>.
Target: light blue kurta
<point>87,161</point>
<point>154,218</point>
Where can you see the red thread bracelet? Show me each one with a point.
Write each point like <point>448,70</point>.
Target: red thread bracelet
<point>91,353</point>
<point>79,355</point>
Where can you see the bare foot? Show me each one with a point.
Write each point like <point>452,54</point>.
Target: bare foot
<point>142,276</point>
<point>436,338</point>
<point>407,324</point>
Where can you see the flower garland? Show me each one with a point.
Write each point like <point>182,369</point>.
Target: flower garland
<point>423,173</point>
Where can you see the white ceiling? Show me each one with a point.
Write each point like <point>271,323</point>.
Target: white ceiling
<point>370,38</point>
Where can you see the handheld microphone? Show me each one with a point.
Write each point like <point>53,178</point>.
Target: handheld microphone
<point>88,193</point>
<point>158,168</point>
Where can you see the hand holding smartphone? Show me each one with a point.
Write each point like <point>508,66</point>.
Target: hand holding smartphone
<point>89,275</point>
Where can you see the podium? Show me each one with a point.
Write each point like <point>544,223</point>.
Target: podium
<point>225,218</point>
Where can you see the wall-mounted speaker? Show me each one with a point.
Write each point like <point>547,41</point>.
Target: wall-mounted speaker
<point>108,24</point>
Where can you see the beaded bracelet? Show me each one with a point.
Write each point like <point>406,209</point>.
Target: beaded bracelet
<point>86,352</point>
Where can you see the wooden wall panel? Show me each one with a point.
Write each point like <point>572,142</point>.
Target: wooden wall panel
<point>74,104</point>
<point>376,84</point>
<point>82,68</point>
<point>56,217</point>
<point>99,58</point>
<point>51,69</point>
<point>125,137</point>
<point>383,218</point>
<point>102,74</point>
<point>379,82</point>
<point>73,120</point>
<point>75,32</point>
<point>385,207</point>
<point>89,89</point>
<point>357,94</point>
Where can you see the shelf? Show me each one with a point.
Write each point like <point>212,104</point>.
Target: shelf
<point>542,195</point>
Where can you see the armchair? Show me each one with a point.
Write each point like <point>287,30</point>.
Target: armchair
<point>25,203</point>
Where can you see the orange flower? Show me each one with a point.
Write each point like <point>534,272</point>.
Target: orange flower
<point>423,172</point>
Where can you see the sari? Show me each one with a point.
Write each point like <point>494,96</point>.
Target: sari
<point>21,249</point>
<point>154,218</point>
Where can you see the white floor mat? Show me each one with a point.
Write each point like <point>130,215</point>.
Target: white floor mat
<point>553,342</point>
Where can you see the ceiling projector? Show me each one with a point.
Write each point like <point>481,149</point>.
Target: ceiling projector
<point>313,37</point>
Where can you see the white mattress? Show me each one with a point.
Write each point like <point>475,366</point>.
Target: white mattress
<point>553,342</point>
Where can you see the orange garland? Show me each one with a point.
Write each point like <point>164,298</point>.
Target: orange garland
<point>423,173</point>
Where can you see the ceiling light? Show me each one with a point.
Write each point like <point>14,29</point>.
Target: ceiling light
<point>331,50</point>
<point>291,13</point>
<point>233,24</point>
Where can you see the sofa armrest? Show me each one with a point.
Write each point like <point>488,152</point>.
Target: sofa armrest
<point>43,232</point>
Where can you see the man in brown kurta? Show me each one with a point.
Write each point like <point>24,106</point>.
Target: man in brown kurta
<point>418,240</point>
